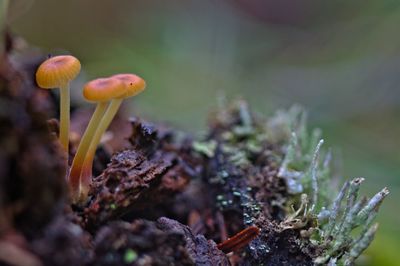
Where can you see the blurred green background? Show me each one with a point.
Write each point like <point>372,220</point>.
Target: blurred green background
<point>339,59</point>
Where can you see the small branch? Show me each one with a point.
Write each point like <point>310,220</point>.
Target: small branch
<point>240,240</point>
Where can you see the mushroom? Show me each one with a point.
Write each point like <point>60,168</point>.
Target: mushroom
<point>100,90</point>
<point>133,86</point>
<point>57,72</point>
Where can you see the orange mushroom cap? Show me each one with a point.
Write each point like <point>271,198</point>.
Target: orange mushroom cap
<point>103,89</point>
<point>57,71</point>
<point>134,83</point>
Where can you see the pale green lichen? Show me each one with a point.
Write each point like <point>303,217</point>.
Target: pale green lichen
<point>334,218</point>
<point>205,147</point>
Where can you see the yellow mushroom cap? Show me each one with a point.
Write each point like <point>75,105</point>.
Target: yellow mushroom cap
<point>134,83</point>
<point>104,89</point>
<point>57,71</point>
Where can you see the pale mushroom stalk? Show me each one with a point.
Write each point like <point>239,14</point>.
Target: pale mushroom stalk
<point>101,129</point>
<point>76,167</point>
<point>64,115</point>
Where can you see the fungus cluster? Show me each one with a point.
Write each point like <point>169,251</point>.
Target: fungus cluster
<point>108,93</point>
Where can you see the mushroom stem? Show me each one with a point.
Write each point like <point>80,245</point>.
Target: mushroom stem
<point>77,163</point>
<point>86,174</point>
<point>64,116</point>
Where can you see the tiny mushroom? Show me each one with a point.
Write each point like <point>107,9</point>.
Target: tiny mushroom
<point>57,72</point>
<point>133,86</point>
<point>100,90</point>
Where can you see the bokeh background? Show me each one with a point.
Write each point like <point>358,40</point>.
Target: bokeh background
<point>339,59</point>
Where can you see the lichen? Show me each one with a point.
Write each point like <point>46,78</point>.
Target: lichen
<point>326,219</point>
<point>275,172</point>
